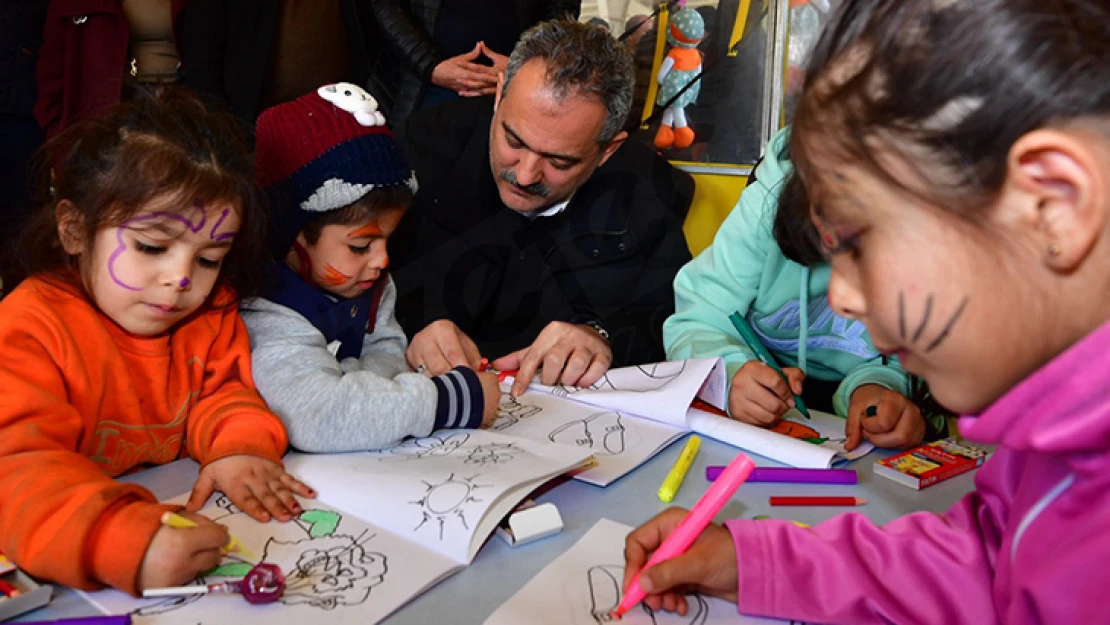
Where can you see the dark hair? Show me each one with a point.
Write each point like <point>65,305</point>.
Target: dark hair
<point>161,143</point>
<point>948,87</point>
<point>366,208</point>
<point>583,59</point>
<point>793,231</point>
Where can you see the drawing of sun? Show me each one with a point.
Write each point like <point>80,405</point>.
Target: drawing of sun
<point>447,500</point>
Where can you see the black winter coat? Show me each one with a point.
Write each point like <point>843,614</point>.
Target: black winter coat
<point>407,54</point>
<point>611,256</point>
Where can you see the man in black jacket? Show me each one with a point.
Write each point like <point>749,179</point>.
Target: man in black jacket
<point>536,238</point>
<point>433,51</point>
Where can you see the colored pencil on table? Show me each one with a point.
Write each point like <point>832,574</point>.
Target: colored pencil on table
<point>818,501</point>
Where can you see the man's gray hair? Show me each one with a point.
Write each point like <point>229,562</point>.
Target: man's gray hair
<point>583,59</point>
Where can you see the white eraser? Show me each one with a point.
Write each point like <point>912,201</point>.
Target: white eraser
<point>532,524</point>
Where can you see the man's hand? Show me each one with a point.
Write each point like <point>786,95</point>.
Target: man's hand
<point>258,486</point>
<point>570,354</point>
<point>441,347</point>
<point>760,396</point>
<point>897,422</point>
<point>465,77</point>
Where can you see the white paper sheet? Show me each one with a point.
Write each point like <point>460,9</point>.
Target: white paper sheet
<point>780,447</point>
<point>618,441</point>
<point>338,569</point>
<point>582,586</point>
<point>659,391</point>
<point>447,491</point>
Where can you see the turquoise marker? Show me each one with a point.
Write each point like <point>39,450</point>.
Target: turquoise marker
<point>748,335</point>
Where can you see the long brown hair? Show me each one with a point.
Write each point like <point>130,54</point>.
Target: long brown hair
<point>165,143</point>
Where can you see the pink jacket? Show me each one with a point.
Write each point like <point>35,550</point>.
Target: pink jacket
<point>1030,545</point>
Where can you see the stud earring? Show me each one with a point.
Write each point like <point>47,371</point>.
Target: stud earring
<point>1053,250</point>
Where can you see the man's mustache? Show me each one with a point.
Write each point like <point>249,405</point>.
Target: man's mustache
<point>536,188</point>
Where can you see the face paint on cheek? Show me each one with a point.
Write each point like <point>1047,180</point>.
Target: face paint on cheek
<point>926,315</point>
<point>332,277</point>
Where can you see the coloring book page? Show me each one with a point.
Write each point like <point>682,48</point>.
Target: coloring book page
<point>618,441</point>
<point>816,443</point>
<point>660,391</point>
<point>583,586</point>
<point>339,570</point>
<point>446,491</point>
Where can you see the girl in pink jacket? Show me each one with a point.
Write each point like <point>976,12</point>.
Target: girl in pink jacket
<point>957,156</point>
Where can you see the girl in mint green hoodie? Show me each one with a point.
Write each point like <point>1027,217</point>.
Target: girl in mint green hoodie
<point>786,303</point>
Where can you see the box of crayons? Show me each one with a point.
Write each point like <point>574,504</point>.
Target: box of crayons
<point>19,593</point>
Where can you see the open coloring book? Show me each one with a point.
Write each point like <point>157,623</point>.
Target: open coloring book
<point>631,413</point>
<point>386,526</point>
<point>582,586</point>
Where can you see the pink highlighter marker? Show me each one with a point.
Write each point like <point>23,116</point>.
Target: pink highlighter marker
<point>692,526</point>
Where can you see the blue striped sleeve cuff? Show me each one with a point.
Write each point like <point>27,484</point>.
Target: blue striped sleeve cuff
<point>460,401</point>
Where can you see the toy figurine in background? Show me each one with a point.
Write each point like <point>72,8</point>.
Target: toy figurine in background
<point>681,66</point>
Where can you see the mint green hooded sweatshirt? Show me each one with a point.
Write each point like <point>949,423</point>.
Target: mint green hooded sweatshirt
<point>787,304</point>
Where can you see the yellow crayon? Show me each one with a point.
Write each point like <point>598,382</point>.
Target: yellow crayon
<point>678,472</point>
<point>177,521</point>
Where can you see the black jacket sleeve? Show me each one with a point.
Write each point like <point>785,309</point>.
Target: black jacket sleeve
<point>411,43</point>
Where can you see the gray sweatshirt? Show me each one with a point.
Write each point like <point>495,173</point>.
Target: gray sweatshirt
<point>369,402</point>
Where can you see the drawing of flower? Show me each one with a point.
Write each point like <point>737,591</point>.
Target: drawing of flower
<point>327,572</point>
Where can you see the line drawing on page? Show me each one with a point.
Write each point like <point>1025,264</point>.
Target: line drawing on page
<point>642,379</point>
<point>324,569</point>
<point>447,500</point>
<point>434,445</point>
<point>491,453</point>
<point>510,412</point>
<point>604,432</point>
<point>604,582</point>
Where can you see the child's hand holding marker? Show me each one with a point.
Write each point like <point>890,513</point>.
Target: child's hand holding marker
<point>259,487</point>
<point>708,567</point>
<point>178,554</point>
<point>760,396</point>
<point>886,418</point>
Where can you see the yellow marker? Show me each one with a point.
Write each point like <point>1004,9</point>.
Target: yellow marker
<point>177,521</point>
<point>678,471</point>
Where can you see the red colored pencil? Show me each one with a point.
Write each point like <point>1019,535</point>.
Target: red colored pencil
<point>8,590</point>
<point>818,501</point>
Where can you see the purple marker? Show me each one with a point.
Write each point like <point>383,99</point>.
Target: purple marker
<point>123,619</point>
<point>791,475</point>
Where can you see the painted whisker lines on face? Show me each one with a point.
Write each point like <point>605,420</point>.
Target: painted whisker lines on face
<point>923,325</point>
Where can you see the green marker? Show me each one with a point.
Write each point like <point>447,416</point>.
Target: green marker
<point>748,335</point>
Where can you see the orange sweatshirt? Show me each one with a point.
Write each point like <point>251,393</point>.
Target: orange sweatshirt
<point>81,401</point>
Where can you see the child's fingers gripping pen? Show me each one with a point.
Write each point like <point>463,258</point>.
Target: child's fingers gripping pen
<point>747,333</point>
<point>692,526</point>
<point>177,521</point>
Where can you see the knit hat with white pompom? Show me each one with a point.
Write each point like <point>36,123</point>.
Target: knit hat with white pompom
<point>323,152</point>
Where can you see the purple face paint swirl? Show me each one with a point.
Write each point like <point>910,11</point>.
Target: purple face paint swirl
<point>121,246</point>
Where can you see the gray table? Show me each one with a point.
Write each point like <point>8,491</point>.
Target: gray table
<point>499,571</point>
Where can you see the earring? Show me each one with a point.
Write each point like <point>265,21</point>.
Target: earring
<point>1053,250</point>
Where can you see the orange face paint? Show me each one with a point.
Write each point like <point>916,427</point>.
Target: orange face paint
<point>332,277</point>
<point>371,229</point>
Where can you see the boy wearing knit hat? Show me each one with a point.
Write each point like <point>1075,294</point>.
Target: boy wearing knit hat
<point>326,352</point>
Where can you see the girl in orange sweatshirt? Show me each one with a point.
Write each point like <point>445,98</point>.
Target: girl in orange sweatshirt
<point>125,349</point>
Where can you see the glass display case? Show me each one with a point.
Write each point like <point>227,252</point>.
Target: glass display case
<point>750,58</point>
